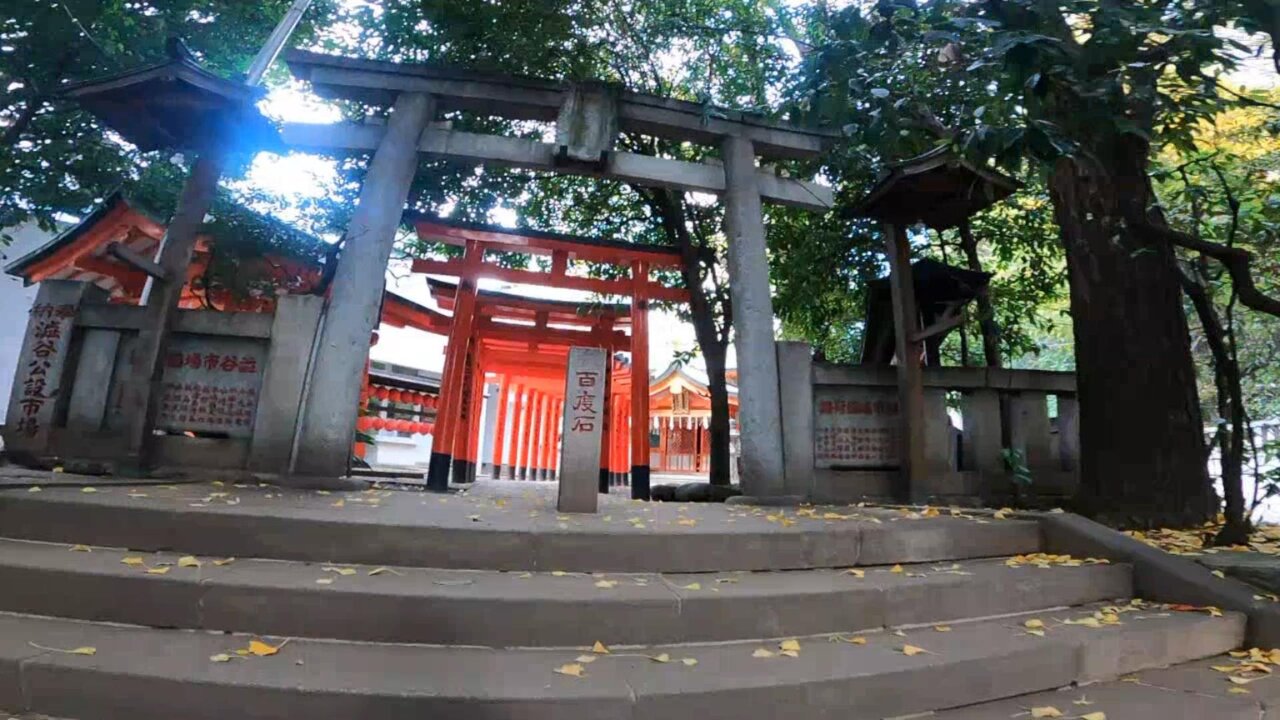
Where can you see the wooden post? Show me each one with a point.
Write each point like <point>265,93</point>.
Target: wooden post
<point>451,383</point>
<point>906,323</point>
<point>518,405</point>
<point>760,410</point>
<point>351,316</point>
<point>526,432</point>
<point>500,429</point>
<point>639,381</point>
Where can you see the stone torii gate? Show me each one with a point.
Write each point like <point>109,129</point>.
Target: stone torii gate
<point>588,118</point>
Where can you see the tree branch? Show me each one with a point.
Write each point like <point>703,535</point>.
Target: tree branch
<point>1235,260</point>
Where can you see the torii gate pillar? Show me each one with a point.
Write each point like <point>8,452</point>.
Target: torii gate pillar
<point>351,315</point>
<point>759,410</point>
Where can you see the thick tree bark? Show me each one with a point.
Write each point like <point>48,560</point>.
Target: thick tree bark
<point>1141,436</point>
<point>986,313</point>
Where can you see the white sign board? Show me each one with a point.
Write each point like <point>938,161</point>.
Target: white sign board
<point>855,427</point>
<point>582,430</point>
<point>211,384</point>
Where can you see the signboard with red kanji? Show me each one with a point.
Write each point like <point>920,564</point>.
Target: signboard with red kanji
<point>855,427</point>
<point>211,384</point>
<point>583,426</point>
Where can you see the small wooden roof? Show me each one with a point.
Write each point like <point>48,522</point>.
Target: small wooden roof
<point>177,105</point>
<point>938,188</point>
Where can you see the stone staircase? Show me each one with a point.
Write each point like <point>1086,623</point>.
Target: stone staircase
<point>389,605</point>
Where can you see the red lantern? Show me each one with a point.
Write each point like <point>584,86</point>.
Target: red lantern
<point>417,428</point>
<point>380,392</point>
<point>364,424</point>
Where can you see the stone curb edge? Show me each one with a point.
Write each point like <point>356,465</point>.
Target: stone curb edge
<point>1162,577</point>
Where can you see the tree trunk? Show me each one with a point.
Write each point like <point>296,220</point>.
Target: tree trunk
<point>670,208</point>
<point>1141,437</point>
<point>986,313</point>
<point>1230,439</point>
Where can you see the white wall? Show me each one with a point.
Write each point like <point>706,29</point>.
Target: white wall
<point>15,302</point>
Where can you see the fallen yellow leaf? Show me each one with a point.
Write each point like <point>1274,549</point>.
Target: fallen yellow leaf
<point>586,659</point>
<point>856,573</point>
<point>942,628</point>
<point>1048,711</point>
<point>1034,624</point>
<point>896,569</point>
<point>558,573</point>
<point>789,645</point>
<point>852,640</point>
<point>606,583</point>
<point>261,649</point>
<point>80,548</point>
<point>692,586</point>
<point>324,581</point>
<point>1094,716</point>
<point>89,490</point>
<point>222,657</point>
<point>570,669</point>
<point>224,561</point>
<point>1219,573</point>
<point>1239,691</point>
<point>910,650</point>
<point>343,571</point>
<point>157,570</point>
<point>85,650</point>
<point>33,488</point>
<point>132,562</point>
<point>689,662</point>
<point>661,658</point>
<point>188,561</point>
<point>599,648</point>
<point>762,653</point>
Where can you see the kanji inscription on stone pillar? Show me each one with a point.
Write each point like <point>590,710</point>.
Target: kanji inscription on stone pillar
<point>583,425</point>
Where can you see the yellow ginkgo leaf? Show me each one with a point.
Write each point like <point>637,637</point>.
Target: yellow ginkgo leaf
<point>33,488</point>
<point>222,657</point>
<point>1239,691</point>
<point>762,653</point>
<point>896,569</point>
<point>692,586</point>
<point>80,548</point>
<point>606,584</point>
<point>586,659</point>
<point>324,581</point>
<point>570,669</point>
<point>789,653</point>
<point>89,490</point>
<point>660,658</point>
<point>852,640</point>
<point>84,650</point>
<point>157,570</point>
<point>188,561</point>
<point>261,649</point>
<point>856,573</point>
<point>558,573</point>
<point>599,648</point>
<point>942,628</point>
<point>224,561</point>
<point>910,650</point>
<point>1094,716</point>
<point>689,662</point>
<point>690,522</point>
<point>1034,624</point>
<point>1219,573</point>
<point>1048,711</point>
<point>793,645</point>
<point>133,562</point>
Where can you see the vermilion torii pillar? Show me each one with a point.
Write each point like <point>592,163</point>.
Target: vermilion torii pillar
<point>640,381</point>
<point>518,405</point>
<point>500,426</point>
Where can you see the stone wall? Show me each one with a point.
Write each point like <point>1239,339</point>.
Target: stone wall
<point>840,431</point>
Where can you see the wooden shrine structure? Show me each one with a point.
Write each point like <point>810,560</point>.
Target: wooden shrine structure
<point>680,405</point>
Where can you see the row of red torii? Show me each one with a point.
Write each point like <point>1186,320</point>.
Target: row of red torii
<point>522,344</point>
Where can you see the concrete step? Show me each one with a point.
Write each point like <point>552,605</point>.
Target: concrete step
<point>500,533</point>
<point>139,673</point>
<point>1116,701</point>
<point>509,609</point>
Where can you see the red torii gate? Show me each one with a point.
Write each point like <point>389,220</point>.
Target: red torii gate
<point>530,371</point>
<point>468,327</point>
